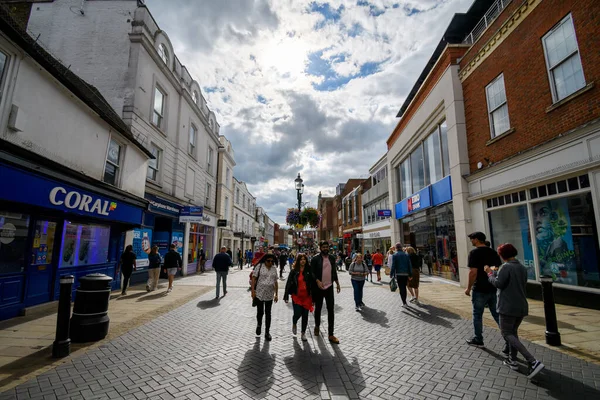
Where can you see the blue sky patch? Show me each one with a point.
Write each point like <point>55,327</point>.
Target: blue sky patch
<point>261,99</point>
<point>355,30</point>
<point>330,14</point>
<point>373,9</point>
<point>412,11</point>
<point>213,89</point>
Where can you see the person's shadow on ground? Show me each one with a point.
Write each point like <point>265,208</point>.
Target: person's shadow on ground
<point>374,316</point>
<point>255,373</point>
<point>432,315</point>
<point>337,370</point>
<point>206,304</point>
<point>302,368</point>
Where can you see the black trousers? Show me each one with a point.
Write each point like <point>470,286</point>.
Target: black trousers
<point>318,296</point>
<point>300,312</point>
<point>262,308</point>
<point>126,276</point>
<point>402,280</point>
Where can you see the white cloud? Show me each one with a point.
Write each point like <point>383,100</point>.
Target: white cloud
<point>262,48</point>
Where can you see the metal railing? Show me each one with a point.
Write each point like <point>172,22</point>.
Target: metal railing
<point>489,17</point>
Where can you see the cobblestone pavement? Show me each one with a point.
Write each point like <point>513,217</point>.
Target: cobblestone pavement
<point>207,349</point>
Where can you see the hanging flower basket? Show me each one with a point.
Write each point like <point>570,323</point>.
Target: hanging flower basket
<point>292,217</point>
<point>310,216</point>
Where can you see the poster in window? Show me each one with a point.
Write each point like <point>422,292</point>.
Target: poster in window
<point>141,241</point>
<point>554,240</point>
<point>161,240</point>
<point>177,240</point>
<point>527,255</point>
<point>68,248</point>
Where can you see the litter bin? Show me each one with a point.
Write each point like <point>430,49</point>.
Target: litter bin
<point>90,320</point>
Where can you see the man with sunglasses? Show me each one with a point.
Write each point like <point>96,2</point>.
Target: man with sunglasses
<point>322,268</point>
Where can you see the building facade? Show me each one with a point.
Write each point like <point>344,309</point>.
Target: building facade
<point>326,229</point>
<point>120,49</point>
<point>376,211</point>
<point>225,191</point>
<point>244,207</point>
<point>351,208</point>
<point>533,135</point>
<point>73,175</point>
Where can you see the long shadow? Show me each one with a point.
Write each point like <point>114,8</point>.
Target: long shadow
<point>562,387</point>
<point>255,373</point>
<point>538,320</point>
<point>338,371</point>
<point>374,316</point>
<point>206,304</point>
<point>432,315</point>
<point>131,296</point>
<point>300,366</point>
<point>153,296</point>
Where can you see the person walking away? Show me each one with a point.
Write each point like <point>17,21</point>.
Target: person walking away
<point>358,271</point>
<point>388,256</point>
<point>401,270</point>
<point>128,265</point>
<point>229,253</point>
<point>264,290</point>
<point>339,263</point>
<point>221,264</point>
<point>291,259</point>
<point>377,259</point>
<point>172,264</point>
<point>511,282</point>
<point>484,293</point>
<point>321,266</point>
<point>300,284</point>
<point>153,269</point>
<point>239,258</point>
<point>413,284</point>
<point>282,261</point>
<point>369,261</point>
<point>201,259</point>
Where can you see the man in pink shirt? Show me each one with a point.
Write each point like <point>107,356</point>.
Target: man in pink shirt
<point>322,268</point>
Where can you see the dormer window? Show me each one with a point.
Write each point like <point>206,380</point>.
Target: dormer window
<point>195,97</point>
<point>163,53</point>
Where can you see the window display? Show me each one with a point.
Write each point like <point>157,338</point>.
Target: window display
<point>13,241</point>
<point>84,244</point>
<point>43,243</point>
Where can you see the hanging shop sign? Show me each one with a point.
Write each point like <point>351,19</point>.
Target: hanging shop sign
<point>221,222</point>
<point>162,206</point>
<point>191,214</point>
<point>27,188</point>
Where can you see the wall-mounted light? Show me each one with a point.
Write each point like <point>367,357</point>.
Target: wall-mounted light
<point>479,165</point>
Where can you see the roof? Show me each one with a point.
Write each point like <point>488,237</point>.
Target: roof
<point>460,26</point>
<point>80,88</point>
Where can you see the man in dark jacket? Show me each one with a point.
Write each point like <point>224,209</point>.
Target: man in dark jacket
<point>322,267</point>
<point>172,264</point>
<point>282,261</point>
<point>221,264</point>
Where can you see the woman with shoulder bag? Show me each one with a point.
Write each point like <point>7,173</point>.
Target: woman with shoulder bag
<point>299,284</point>
<point>358,271</point>
<point>264,291</point>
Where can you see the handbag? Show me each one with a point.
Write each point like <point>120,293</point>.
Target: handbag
<point>393,285</point>
<point>255,299</point>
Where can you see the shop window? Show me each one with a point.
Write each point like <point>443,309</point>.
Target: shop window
<point>562,60</point>
<point>511,225</point>
<point>84,244</point>
<point>567,240</point>
<point>113,162</point>
<point>153,165</point>
<point>14,229</point>
<point>497,106</point>
<point>43,243</point>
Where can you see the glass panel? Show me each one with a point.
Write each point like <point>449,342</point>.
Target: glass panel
<point>542,191</point>
<point>84,244</point>
<point>114,152</point>
<point>158,101</point>
<point>511,225</point>
<point>515,197</point>
<point>522,195</point>
<point>584,181</point>
<point>43,243</point>
<point>561,43</point>
<point>445,151</point>
<point>496,94</point>
<point>495,202</point>
<point>192,135</point>
<point>573,183</point>
<point>433,164</point>
<point>533,193</point>
<point>3,63</point>
<point>551,188</point>
<point>501,200</point>
<point>417,169</point>
<point>562,186</point>
<point>568,77</point>
<point>500,120</point>
<point>14,229</point>
<point>405,184</point>
<point>489,203</point>
<point>567,240</point>
<point>110,174</point>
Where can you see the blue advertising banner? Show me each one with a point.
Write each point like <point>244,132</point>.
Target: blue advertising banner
<point>161,240</point>
<point>141,240</point>
<point>441,191</point>
<point>418,201</point>
<point>384,213</point>
<point>191,214</point>
<point>28,188</point>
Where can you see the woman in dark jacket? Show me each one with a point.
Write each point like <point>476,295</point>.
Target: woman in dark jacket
<point>299,284</point>
<point>511,281</point>
<point>413,284</point>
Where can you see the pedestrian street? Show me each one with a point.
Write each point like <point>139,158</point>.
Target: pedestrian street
<point>207,349</point>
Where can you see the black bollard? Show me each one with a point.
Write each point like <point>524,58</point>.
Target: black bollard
<point>62,344</point>
<point>552,335</point>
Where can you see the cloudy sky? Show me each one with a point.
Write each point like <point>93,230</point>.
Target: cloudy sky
<point>304,86</point>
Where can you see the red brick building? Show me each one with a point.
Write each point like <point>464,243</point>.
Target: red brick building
<point>326,229</point>
<point>532,114</point>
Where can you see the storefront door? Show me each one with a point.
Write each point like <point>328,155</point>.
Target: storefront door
<point>40,265</point>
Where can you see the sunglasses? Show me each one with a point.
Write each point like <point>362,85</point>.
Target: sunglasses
<point>270,260</point>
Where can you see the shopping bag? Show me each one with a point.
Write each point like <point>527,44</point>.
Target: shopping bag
<point>393,284</point>
<point>387,270</point>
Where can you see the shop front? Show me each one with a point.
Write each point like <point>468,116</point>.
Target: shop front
<point>53,224</point>
<point>427,225</point>
<point>378,239</point>
<point>201,230</point>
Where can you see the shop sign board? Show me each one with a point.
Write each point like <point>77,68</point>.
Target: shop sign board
<point>221,222</point>
<point>360,236</point>
<point>28,188</point>
<point>384,213</point>
<point>162,206</point>
<point>416,202</point>
<point>378,234</point>
<point>191,214</point>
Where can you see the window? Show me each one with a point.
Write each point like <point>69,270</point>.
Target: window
<point>193,139</point>
<point>227,178</point>
<point>163,53</point>
<point>226,213</point>
<point>158,113</point>
<point>404,177</point>
<point>237,222</point>
<point>195,97</point>
<point>417,170</point>
<point>208,193</point>
<point>562,60</point>
<point>153,165</point>
<point>237,196</point>
<point>445,151</point>
<point>84,244</point>
<point>190,182</point>
<point>209,160</point>
<point>244,201</point>
<point>3,64</point>
<point>113,162</point>
<point>14,228</point>
<point>497,106</point>
<point>432,157</point>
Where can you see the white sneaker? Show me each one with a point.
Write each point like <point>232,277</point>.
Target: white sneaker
<point>404,305</point>
<point>411,299</point>
<point>169,290</point>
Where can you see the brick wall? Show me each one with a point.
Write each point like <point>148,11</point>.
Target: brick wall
<point>521,58</point>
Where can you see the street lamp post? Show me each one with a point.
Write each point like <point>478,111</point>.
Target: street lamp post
<point>299,190</point>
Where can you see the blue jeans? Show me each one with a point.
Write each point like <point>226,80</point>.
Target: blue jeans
<point>222,275</point>
<point>358,291</point>
<point>479,300</point>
